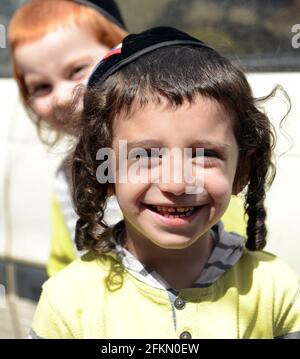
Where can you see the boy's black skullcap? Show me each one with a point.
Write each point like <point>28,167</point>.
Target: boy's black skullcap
<point>108,8</point>
<point>137,45</point>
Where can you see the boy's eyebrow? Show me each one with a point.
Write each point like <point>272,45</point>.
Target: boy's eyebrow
<point>205,143</point>
<point>33,79</point>
<point>196,144</point>
<point>71,63</point>
<point>144,143</point>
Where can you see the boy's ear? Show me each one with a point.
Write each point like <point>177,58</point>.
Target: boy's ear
<point>242,175</point>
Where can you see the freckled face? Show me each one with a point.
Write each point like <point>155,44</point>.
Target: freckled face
<point>54,65</point>
<point>163,212</point>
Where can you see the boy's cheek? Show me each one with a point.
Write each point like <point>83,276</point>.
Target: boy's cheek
<point>129,193</point>
<point>218,187</point>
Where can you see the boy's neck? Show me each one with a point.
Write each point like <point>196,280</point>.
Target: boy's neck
<point>179,267</point>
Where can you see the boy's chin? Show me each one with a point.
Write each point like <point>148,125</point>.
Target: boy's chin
<point>174,242</point>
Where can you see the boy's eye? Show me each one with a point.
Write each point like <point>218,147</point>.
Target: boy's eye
<point>204,152</point>
<point>151,154</point>
<point>210,157</point>
<point>40,90</point>
<point>143,153</point>
<point>210,153</point>
<point>145,156</point>
<point>77,72</point>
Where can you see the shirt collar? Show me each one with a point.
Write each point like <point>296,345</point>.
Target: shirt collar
<point>227,251</point>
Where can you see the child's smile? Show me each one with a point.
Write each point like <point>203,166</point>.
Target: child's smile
<point>164,212</point>
<point>171,215</point>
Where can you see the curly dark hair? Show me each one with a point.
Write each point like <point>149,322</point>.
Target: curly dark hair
<point>175,74</point>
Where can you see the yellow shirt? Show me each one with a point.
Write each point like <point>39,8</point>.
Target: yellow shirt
<point>258,297</point>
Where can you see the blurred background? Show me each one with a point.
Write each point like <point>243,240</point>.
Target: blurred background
<point>258,35</point>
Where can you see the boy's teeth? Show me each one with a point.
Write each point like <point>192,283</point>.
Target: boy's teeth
<point>181,209</point>
<point>173,209</point>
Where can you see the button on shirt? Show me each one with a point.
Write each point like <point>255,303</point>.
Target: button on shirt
<point>179,303</point>
<point>185,335</point>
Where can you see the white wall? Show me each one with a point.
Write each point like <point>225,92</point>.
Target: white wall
<point>26,175</point>
<point>284,196</point>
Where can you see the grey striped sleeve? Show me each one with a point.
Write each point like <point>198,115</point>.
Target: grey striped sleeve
<point>33,335</point>
<point>293,335</point>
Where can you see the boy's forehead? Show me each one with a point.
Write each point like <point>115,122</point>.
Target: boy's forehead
<point>160,118</point>
<point>156,103</point>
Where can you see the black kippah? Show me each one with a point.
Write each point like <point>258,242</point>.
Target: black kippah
<point>108,8</point>
<point>136,45</point>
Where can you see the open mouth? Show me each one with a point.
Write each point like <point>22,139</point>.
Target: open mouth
<point>174,212</point>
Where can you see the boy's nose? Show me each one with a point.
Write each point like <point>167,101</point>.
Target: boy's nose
<point>63,94</point>
<point>175,174</point>
<point>172,187</point>
<point>172,180</point>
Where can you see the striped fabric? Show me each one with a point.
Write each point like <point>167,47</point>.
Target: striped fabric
<point>227,251</point>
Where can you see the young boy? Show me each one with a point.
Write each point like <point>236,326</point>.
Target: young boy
<point>169,270</point>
